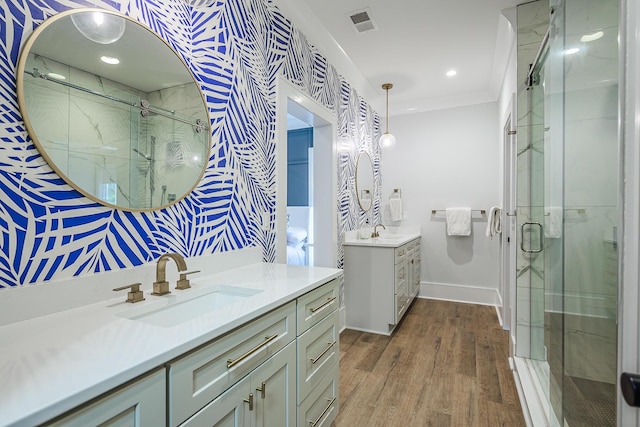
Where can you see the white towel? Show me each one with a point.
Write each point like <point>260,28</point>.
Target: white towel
<point>395,208</point>
<point>458,221</point>
<point>553,222</point>
<point>494,223</point>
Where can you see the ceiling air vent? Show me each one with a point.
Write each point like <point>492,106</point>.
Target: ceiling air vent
<point>362,21</point>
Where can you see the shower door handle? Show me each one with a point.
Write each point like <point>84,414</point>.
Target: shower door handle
<point>630,385</point>
<point>530,251</point>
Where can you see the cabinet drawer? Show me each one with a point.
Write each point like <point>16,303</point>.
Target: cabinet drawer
<point>318,351</point>
<point>315,305</point>
<point>138,404</point>
<point>320,408</point>
<point>401,274</point>
<point>199,377</point>
<point>401,253</point>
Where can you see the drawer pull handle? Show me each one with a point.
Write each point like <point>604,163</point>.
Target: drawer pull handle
<point>233,362</point>
<point>250,401</point>
<point>328,301</point>
<point>329,345</point>
<point>315,423</point>
<point>262,389</point>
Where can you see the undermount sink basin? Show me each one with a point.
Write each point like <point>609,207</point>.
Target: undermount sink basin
<point>391,237</point>
<point>173,310</point>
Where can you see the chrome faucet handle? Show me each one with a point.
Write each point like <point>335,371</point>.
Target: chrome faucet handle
<point>183,282</point>
<point>134,295</point>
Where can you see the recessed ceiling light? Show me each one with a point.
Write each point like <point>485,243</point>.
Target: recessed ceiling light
<point>571,51</point>
<point>591,37</point>
<point>56,76</point>
<point>110,60</point>
<point>451,73</point>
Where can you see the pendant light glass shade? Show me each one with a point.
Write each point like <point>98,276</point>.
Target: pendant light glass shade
<point>387,140</point>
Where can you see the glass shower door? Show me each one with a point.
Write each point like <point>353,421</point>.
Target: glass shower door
<point>590,74</point>
<point>567,214</point>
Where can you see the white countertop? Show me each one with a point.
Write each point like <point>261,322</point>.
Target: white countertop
<point>387,239</point>
<point>53,363</point>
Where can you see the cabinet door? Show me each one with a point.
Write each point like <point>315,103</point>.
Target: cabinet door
<point>321,407</point>
<point>274,388</point>
<point>230,409</point>
<point>140,403</point>
<point>401,289</point>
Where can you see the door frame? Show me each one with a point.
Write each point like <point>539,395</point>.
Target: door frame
<point>629,202</point>
<point>508,238</point>
<point>325,175</point>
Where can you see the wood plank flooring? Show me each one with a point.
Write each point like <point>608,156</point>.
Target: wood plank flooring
<point>445,365</point>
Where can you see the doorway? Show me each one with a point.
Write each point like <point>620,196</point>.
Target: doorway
<point>308,232</point>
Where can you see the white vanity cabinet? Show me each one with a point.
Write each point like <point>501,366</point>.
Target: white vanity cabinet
<point>381,282</point>
<point>241,363</point>
<point>318,343</point>
<point>139,403</point>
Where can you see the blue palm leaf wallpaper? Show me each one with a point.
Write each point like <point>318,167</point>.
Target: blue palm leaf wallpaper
<point>237,50</point>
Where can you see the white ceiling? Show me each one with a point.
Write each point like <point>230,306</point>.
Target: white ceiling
<point>417,42</point>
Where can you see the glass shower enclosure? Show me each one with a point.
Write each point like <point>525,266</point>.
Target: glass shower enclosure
<point>567,216</point>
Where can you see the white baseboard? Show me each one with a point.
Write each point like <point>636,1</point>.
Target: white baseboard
<point>460,293</point>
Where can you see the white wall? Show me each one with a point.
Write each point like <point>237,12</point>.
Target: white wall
<point>443,159</point>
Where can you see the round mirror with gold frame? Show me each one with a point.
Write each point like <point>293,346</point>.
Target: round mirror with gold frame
<point>113,109</point>
<point>364,181</point>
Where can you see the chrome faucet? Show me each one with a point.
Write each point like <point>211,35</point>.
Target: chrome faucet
<point>375,230</point>
<point>161,286</point>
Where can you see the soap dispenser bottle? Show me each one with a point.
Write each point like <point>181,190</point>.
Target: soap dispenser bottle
<point>365,231</point>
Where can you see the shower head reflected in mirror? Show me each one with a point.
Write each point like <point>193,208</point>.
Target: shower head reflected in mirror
<point>142,155</point>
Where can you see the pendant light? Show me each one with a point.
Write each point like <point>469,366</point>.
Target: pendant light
<point>387,140</point>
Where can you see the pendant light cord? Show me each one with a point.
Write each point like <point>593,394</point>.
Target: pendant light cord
<point>387,86</point>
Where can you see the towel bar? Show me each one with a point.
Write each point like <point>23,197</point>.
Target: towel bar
<point>482,211</point>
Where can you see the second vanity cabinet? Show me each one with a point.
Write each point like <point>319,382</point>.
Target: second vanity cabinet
<point>381,282</point>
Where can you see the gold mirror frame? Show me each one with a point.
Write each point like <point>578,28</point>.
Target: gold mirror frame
<point>186,149</point>
<point>364,181</point>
